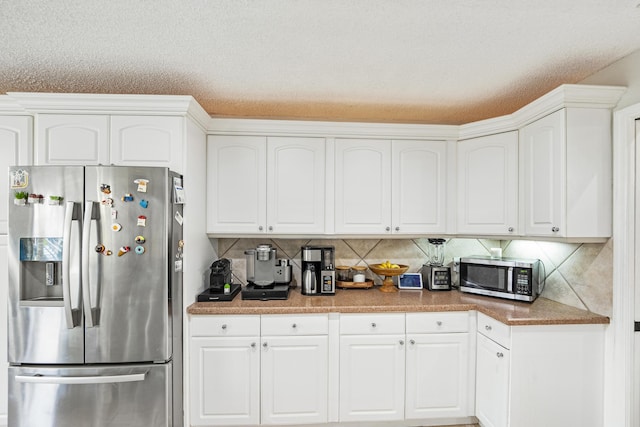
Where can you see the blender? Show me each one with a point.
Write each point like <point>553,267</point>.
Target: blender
<point>435,275</point>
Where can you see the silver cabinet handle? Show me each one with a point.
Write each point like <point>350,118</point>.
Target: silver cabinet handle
<point>397,228</point>
<point>510,229</point>
<point>265,345</point>
<point>270,228</point>
<point>401,342</point>
<point>412,342</point>
<point>387,229</point>
<point>224,326</point>
<point>373,325</point>
<point>253,345</point>
<point>487,327</point>
<point>555,229</point>
<point>260,228</point>
<point>294,326</point>
<point>439,323</point>
<point>500,355</point>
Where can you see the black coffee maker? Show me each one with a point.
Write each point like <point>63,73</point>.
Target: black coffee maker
<point>318,270</point>
<point>220,286</point>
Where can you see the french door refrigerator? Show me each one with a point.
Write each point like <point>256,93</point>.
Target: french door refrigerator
<point>95,306</point>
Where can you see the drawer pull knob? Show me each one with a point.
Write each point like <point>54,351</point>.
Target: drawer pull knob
<point>439,323</point>
<point>294,326</point>
<point>401,342</point>
<point>253,345</point>
<point>224,326</point>
<point>373,325</point>
<point>487,327</point>
<point>555,229</point>
<point>260,228</point>
<point>412,342</point>
<point>510,229</point>
<point>265,345</point>
<point>500,355</point>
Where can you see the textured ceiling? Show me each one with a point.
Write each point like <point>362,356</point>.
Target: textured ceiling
<point>413,61</point>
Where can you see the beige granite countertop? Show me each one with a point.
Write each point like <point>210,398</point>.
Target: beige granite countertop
<point>540,312</point>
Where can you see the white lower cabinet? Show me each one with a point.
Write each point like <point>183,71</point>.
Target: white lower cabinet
<point>440,366</point>
<point>225,370</point>
<point>372,367</point>
<point>294,367</point>
<point>539,375</point>
<point>240,376</point>
<point>492,387</point>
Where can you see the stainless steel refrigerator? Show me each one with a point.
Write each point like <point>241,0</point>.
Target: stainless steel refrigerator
<point>95,306</point>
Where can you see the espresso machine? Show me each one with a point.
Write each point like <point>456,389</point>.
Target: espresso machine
<point>435,275</point>
<point>318,270</point>
<point>267,277</point>
<point>221,287</point>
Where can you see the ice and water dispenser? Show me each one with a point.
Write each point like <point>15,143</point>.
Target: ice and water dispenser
<point>40,266</point>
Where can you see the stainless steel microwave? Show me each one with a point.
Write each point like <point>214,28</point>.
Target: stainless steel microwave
<point>510,278</point>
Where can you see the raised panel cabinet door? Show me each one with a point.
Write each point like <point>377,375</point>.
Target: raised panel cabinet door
<point>362,186</point>
<point>15,149</point>
<point>419,184</point>
<point>71,139</point>
<point>147,141</point>
<point>236,184</point>
<point>372,370</point>
<point>543,157</point>
<point>225,381</point>
<point>294,380</point>
<point>437,376</point>
<point>488,184</point>
<point>295,185</point>
<point>492,383</point>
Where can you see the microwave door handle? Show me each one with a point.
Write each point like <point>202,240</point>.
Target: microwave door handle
<point>86,285</point>
<point>66,257</point>
<point>510,280</point>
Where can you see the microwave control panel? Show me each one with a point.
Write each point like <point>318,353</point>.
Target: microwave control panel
<point>523,281</point>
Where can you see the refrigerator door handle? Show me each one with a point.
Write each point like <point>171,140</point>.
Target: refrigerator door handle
<point>107,379</point>
<point>86,286</point>
<point>66,254</point>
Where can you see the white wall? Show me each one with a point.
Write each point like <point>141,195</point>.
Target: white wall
<point>625,72</point>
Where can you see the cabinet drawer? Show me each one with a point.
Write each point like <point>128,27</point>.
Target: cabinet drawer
<point>494,330</point>
<point>372,324</point>
<point>225,326</point>
<point>444,321</point>
<point>305,324</point>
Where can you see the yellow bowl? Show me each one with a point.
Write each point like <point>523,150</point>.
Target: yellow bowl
<point>381,271</point>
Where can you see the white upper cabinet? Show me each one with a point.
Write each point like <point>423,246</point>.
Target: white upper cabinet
<point>147,141</point>
<point>295,185</point>
<point>418,194</point>
<point>71,139</point>
<point>362,186</point>
<point>488,185</point>
<point>567,178</point>
<point>257,184</point>
<point>77,139</point>
<point>385,187</point>
<point>15,149</point>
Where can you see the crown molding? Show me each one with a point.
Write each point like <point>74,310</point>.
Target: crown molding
<point>568,95</point>
<point>9,105</point>
<point>81,103</point>
<point>230,126</point>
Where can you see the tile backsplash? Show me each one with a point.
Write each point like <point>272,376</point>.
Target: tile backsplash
<point>578,275</point>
